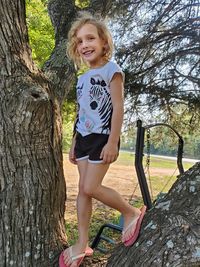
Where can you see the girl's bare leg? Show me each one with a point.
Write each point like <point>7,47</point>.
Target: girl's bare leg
<point>91,176</point>
<point>84,206</point>
<point>84,211</point>
<point>93,187</point>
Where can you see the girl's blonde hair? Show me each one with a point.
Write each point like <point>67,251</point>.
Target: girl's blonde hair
<point>104,34</point>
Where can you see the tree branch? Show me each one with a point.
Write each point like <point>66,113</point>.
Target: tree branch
<point>173,218</point>
<point>100,7</point>
<point>58,68</point>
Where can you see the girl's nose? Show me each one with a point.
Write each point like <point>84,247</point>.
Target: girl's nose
<point>85,44</point>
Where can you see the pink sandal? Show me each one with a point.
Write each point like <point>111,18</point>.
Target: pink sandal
<point>79,257</point>
<point>135,228</point>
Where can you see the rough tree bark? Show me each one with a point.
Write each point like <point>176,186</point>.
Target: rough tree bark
<point>32,185</point>
<point>170,234</point>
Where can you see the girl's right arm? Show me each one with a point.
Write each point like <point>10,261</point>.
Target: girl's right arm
<point>110,151</point>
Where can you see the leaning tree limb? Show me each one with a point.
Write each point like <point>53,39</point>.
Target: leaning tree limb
<point>170,234</point>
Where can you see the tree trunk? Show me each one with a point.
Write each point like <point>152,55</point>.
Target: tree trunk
<point>32,188</point>
<point>170,234</point>
<point>32,184</point>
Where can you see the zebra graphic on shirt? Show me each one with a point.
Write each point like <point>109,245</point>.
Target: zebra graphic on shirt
<point>79,91</point>
<point>100,99</point>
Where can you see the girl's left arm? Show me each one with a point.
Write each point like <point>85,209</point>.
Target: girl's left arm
<point>110,151</point>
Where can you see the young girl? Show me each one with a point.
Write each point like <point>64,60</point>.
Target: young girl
<point>97,132</point>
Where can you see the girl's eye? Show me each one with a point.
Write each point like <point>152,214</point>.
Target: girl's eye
<point>91,38</point>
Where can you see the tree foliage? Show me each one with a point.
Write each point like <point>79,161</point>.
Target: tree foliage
<point>158,45</point>
<point>41,33</point>
<point>82,4</point>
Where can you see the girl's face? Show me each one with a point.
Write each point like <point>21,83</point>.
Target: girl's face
<point>90,46</point>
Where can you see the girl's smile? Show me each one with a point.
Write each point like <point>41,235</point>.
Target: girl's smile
<point>90,46</point>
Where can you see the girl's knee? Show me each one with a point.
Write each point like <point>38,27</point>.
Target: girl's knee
<point>86,189</point>
<point>90,190</point>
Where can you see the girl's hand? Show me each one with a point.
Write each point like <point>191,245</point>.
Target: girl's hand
<point>72,157</point>
<point>109,153</point>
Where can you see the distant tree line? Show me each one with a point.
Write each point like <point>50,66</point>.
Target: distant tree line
<point>163,141</point>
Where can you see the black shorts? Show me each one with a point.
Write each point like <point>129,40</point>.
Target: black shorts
<point>90,147</point>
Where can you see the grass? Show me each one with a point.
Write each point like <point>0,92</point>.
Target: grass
<point>128,158</point>
<point>162,184</point>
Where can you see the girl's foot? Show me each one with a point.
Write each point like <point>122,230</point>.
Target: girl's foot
<point>74,255</point>
<point>132,227</point>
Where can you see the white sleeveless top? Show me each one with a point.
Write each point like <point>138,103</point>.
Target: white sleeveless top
<point>94,100</point>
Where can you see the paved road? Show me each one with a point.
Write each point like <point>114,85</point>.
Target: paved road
<point>168,157</point>
<point>174,158</point>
